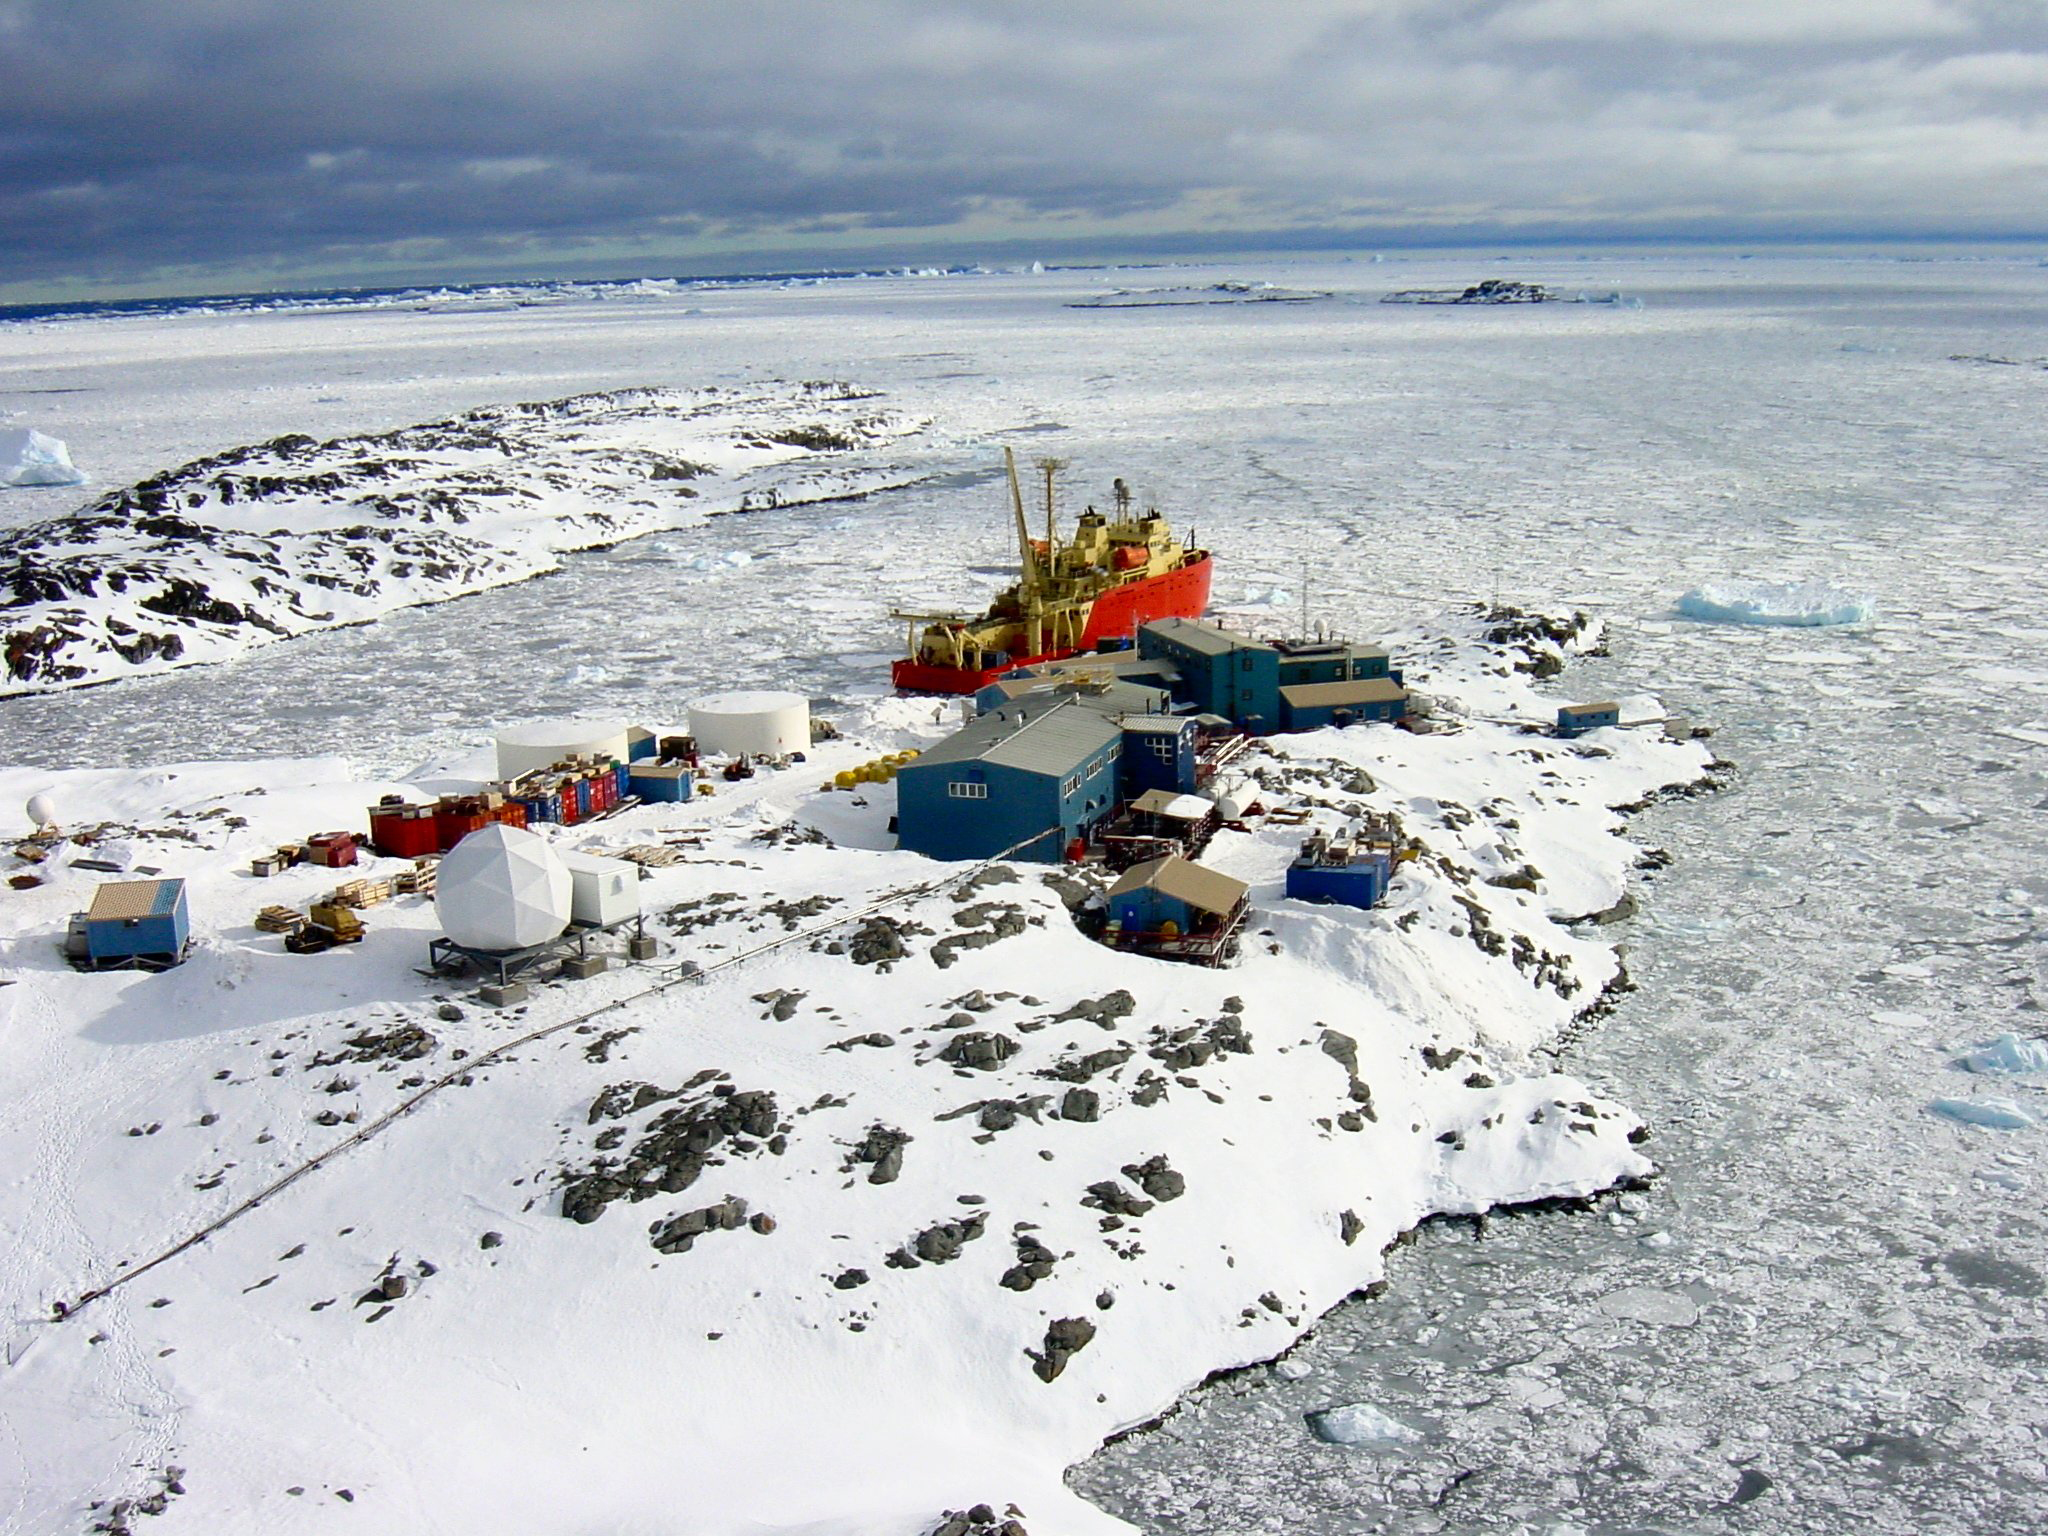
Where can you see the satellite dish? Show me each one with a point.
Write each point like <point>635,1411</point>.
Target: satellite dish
<point>501,889</point>
<point>42,811</point>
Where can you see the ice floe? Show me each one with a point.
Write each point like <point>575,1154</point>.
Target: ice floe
<point>29,457</point>
<point>1793,604</point>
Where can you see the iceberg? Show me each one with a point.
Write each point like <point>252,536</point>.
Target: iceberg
<point>27,457</point>
<point>1360,1424</point>
<point>2009,1053</point>
<point>1994,1114</point>
<point>1806,603</point>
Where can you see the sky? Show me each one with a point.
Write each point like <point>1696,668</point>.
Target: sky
<point>212,145</point>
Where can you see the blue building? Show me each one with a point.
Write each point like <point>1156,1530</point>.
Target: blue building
<point>1340,871</point>
<point>1245,680</point>
<point>1039,771</point>
<point>137,922</point>
<point>1310,706</point>
<point>1106,694</point>
<point>1160,752</point>
<point>660,781</point>
<point>1178,910</point>
<point>1577,719</point>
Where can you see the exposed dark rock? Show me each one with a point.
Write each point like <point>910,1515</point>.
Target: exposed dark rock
<point>982,1050</point>
<point>1064,1338</point>
<point>676,1146</point>
<point>1081,1104</point>
<point>1079,1069</point>
<point>679,1233</point>
<point>1034,1263</point>
<point>1156,1178</point>
<point>882,1150</point>
<point>1110,1196</point>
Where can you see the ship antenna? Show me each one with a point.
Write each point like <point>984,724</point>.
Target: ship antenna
<point>1024,555</point>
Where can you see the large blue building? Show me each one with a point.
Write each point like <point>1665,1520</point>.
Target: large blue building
<point>1037,771</point>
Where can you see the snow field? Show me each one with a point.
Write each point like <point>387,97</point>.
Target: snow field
<point>574,1373</point>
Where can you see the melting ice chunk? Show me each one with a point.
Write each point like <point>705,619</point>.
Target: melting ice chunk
<point>1806,603</point>
<point>27,457</point>
<point>1997,1114</point>
<point>1360,1424</point>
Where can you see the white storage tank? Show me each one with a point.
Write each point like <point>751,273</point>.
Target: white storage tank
<point>536,744</point>
<point>502,888</point>
<point>761,723</point>
<point>602,892</point>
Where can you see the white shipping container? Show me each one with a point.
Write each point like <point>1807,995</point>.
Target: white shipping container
<point>602,892</point>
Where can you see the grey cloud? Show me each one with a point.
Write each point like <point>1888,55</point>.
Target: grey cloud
<point>250,135</point>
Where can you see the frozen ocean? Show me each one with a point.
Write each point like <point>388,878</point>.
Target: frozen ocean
<point>1828,1312</point>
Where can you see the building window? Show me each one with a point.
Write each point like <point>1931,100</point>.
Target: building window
<point>1097,766</point>
<point>1163,748</point>
<point>1116,750</point>
<point>1071,787</point>
<point>960,789</point>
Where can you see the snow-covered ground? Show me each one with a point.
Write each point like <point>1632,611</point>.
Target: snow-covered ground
<point>972,1193</point>
<point>1823,1315</point>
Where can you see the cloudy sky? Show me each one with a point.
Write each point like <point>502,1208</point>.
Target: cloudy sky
<point>188,145</point>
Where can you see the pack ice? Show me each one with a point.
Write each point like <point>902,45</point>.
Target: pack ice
<point>27,457</point>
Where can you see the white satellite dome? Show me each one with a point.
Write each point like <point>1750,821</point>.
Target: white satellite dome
<point>42,811</point>
<point>501,889</point>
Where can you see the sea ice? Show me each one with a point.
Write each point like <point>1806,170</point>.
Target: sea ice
<point>1360,1424</point>
<point>27,457</point>
<point>1996,1114</point>
<point>2008,1053</point>
<point>1805,604</point>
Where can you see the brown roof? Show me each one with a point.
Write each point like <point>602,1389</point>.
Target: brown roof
<point>1605,706</point>
<point>119,899</point>
<point>1209,889</point>
<point>1359,690</point>
<point>1168,801</point>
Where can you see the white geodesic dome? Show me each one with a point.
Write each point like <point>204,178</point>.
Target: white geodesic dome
<point>502,888</point>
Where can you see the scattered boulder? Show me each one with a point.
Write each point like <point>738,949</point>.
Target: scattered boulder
<point>677,1145</point>
<point>1156,1178</point>
<point>882,1150</point>
<point>1064,1338</point>
<point>1081,1104</point>
<point>983,1050</point>
<point>1034,1263</point>
<point>940,1243</point>
<point>679,1233</point>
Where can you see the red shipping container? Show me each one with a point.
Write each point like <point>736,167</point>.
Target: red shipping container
<point>403,832</point>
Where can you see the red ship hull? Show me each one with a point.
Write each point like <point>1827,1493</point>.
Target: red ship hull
<point>1116,615</point>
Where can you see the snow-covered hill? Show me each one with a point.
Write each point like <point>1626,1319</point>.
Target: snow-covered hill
<point>901,1217</point>
<point>203,562</point>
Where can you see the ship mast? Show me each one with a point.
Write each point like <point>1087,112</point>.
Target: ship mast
<point>1049,468</point>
